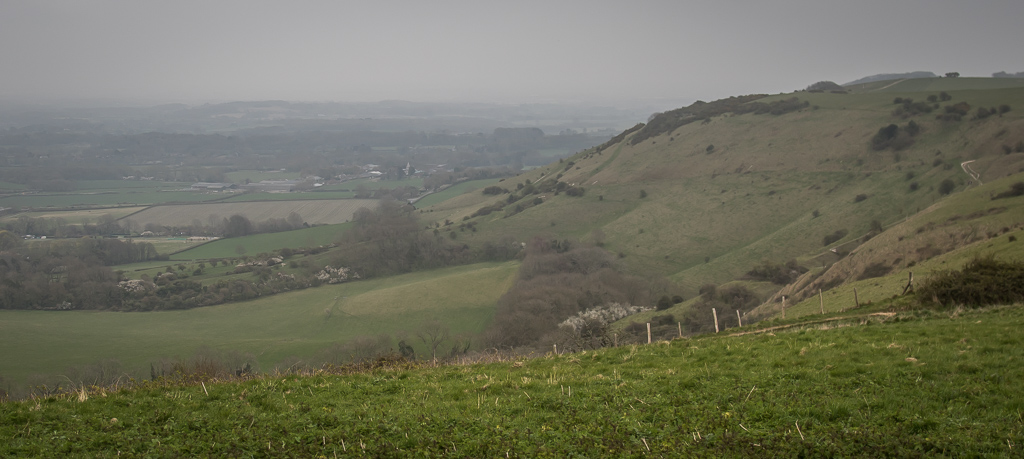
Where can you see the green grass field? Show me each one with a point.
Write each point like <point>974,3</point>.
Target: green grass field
<point>11,186</point>
<point>923,384</point>
<point>77,217</point>
<point>294,324</point>
<point>108,199</point>
<point>256,176</point>
<point>294,196</point>
<point>264,243</point>
<point>455,190</point>
<point>313,212</point>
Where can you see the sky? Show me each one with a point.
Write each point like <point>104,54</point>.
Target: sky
<point>521,51</point>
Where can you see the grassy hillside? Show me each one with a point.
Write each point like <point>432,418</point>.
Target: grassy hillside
<point>921,384</point>
<point>725,192</point>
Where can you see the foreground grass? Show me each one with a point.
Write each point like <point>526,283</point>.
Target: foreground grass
<point>926,384</point>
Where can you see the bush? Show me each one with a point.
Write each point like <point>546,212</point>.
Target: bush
<point>874,270</point>
<point>1017,189</point>
<point>982,282</point>
<point>946,187</point>
<point>824,86</point>
<point>836,236</point>
<point>860,197</point>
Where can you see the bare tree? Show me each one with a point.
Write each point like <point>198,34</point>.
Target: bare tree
<point>432,334</point>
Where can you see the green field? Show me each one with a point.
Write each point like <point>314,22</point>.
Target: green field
<point>919,385</point>
<point>11,186</point>
<point>313,212</point>
<point>294,196</point>
<point>256,176</point>
<point>273,329</point>
<point>109,198</point>
<point>264,243</point>
<point>455,190</point>
<point>77,217</point>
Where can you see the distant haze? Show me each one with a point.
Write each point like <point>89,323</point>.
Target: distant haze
<point>595,51</point>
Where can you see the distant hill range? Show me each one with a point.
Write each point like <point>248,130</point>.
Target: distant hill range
<point>891,76</point>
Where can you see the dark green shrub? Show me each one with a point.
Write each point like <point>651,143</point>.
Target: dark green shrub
<point>874,270</point>
<point>946,187</point>
<point>836,236</point>
<point>982,282</point>
<point>664,303</point>
<point>1017,189</point>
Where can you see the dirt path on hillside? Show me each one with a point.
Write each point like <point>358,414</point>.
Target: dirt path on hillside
<point>967,170</point>
<point>816,322</point>
<point>891,85</point>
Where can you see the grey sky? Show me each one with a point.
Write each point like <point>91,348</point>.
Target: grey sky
<point>500,51</point>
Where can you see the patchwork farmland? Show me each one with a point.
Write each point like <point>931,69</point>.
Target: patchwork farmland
<point>311,211</point>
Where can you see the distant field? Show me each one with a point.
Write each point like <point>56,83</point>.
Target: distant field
<point>453,191</point>
<point>297,196</point>
<point>11,186</point>
<point>271,329</point>
<point>256,176</point>
<point>93,185</point>
<point>259,243</point>
<point>77,217</point>
<point>312,211</point>
<point>120,198</point>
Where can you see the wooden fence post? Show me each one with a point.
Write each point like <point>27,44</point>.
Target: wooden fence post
<point>783,306</point>
<point>856,302</point>
<point>715,313</point>
<point>648,333</point>
<point>680,324</point>
<point>910,284</point>
<point>738,318</point>
<point>821,302</point>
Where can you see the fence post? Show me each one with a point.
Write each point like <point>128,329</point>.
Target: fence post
<point>783,306</point>
<point>856,302</point>
<point>738,318</point>
<point>680,324</point>
<point>821,302</point>
<point>715,313</point>
<point>648,333</point>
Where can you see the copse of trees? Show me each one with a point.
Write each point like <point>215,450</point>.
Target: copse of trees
<point>726,300</point>
<point>389,240</point>
<point>822,86</point>
<point>777,273</point>
<point>558,280</point>
<point>895,137</point>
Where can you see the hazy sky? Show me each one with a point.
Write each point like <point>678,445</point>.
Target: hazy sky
<point>502,51</point>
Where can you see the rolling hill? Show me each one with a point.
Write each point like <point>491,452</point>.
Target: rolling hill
<point>704,193</point>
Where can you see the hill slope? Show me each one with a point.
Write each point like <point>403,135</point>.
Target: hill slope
<point>704,193</point>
